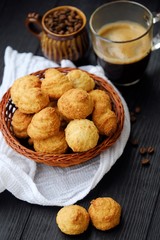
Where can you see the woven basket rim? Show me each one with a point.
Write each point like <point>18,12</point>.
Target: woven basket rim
<point>67,159</point>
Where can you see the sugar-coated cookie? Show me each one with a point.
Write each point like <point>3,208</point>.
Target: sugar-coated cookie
<point>81,135</point>
<point>81,79</point>
<point>73,219</point>
<point>20,122</point>
<point>106,122</point>
<point>44,124</point>
<point>55,144</point>
<point>22,84</point>
<point>103,116</point>
<point>102,101</point>
<point>32,101</point>
<point>55,83</point>
<point>75,104</point>
<point>104,213</point>
<point>27,95</point>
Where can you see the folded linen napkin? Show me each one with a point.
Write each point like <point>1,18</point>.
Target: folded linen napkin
<point>38,183</point>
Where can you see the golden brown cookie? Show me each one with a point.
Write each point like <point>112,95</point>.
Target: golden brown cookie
<point>102,101</point>
<point>72,219</point>
<point>20,122</point>
<point>105,213</point>
<point>75,104</point>
<point>32,101</point>
<point>55,144</point>
<point>55,83</point>
<point>106,122</point>
<point>44,124</point>
<point>51,72</point>
<point>81,135</point>
<point>21,84</point>
<point>81,79</point>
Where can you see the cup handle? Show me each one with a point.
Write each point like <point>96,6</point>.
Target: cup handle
<point>156,38</point>
<point>33,23</point>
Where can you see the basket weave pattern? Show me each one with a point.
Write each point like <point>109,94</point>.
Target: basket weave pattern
<point>7,109</point>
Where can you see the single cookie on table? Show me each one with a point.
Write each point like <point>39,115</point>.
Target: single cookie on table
<point>106,123</point>
<point>20,122</point>
<point>44,124</point>
<point>73,219</point>
<point>75,104</point>
<point>55,144</point>
<point>104,213</point>
<point>81,135</point>
<point>81,79</point>
<point>21,84</point>
<point>101,99</point>
<point>55,83</point>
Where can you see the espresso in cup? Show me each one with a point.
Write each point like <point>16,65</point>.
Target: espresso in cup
<point>122,39</point>
<point>123,58</point>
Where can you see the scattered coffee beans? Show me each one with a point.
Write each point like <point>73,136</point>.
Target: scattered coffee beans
<point>149,150</point>
<point>146,150</point>
<point>133,117</point>
<point>64,21</point>
<point>143,150</point>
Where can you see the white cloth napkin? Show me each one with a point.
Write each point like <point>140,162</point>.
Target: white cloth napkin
<point>38,183</point>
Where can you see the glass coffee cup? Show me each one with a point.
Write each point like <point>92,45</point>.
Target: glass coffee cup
<point>122,39</point>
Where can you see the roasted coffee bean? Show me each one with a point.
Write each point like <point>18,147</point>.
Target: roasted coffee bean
<point>71,19</point>
<point>142,150</point>
<point>78,17</point>
<point>68,23</point>
<point>77,26</point>
<point>56,13</point>
<point>58,28</point>
<point>64,21</point>
<point>134,142</point>
<point>133,118</point>
<point>61,32</point>
<point>62,17</point>
<point>70,29</point>
<point>132,114</point>
<point>137,109</point>
<point>73,14</point>
<point>145,161</point>
<point>150,150</point>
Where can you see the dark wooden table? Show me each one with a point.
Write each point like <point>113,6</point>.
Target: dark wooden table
<point>134,186</point>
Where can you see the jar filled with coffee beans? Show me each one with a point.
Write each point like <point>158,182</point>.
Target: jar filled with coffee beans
<point>62,33</point>
<point>63,21</point>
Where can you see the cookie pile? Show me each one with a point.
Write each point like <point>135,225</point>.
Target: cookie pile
<point>61,112</point>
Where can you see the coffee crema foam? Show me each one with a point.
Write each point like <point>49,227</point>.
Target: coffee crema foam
<point>123,53</point>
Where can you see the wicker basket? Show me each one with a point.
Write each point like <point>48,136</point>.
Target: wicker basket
<point>7,109</point>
